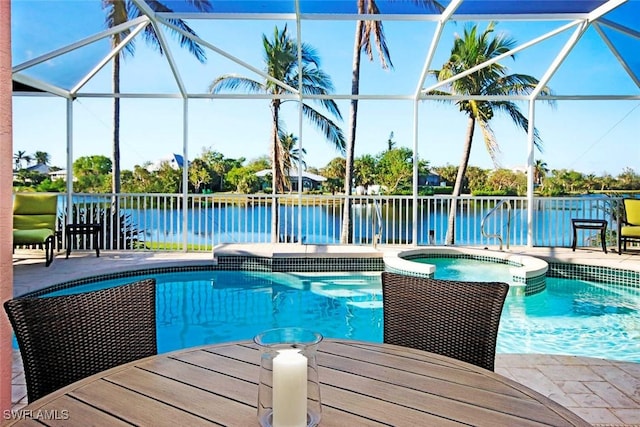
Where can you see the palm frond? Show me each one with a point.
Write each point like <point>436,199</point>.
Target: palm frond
<point>374,29</point>
<point>476,47</point>
<point>490,141</point>
<point>310,55</point>
<point>194,48</point>
<point>234,82</point>
<point>117,12</point>
<point>332,132</point>
<point>201,5</point>
<point>519,119</point>
<point>152,38</point>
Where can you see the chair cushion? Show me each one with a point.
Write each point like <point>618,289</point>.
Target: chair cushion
<point>632,211</point>
<point>630,231</point>
<point>35,203</point>
<point>29,237</point>
<point>30,222</point>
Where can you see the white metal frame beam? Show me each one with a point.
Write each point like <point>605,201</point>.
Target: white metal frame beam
<point>160,18</point>
<point>616,52</point>
<point>499,58</point>
<point>105,60</point>
<point>144,8</point>
<point>78,44</point>
<point>231,57</point>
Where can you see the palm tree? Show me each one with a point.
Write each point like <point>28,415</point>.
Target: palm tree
<point>391,144</point>
<point>42,157</point>
<point>281,63</point>
<point>365,32</point>
<point>118,12</point>
<point>18,158</point>
<point>472,49</point>
<point>540,170</point>
<point>368,33</point>
<point>292,154</point>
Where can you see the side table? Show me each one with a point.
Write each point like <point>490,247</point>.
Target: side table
<point>72,230</point>
<point>589,224</point>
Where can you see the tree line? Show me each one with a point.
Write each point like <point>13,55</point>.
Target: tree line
<point>391,169</point>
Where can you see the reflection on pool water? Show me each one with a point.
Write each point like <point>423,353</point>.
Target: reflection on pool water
<point>574,317</point>
<point>467,269</point>
<point>570,317</point>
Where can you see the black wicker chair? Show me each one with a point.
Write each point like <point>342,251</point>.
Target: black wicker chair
<point>451,318</point>
<point>66,338</point>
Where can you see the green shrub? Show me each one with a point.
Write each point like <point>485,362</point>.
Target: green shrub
<point>505,192</point>
<point>442,190</point>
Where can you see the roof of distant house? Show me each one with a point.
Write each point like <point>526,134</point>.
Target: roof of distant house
<point>176,161</point>
<point>40,168</point>
<point>293,173</point>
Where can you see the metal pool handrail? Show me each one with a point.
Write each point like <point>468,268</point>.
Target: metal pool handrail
<point>497,236</point>
<point>378,216</point>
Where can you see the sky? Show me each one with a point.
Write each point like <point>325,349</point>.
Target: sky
<point>589,136</point>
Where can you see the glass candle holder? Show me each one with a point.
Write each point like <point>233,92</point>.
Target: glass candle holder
<point>289,390</point>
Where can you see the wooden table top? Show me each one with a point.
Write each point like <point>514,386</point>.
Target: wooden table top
<point>361,384</point>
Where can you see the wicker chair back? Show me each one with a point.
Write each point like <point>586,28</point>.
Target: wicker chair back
<point>452,318</point>
<point>63,339</point>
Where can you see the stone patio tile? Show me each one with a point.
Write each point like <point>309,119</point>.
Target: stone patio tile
<point>570,373</point>
<point>597,415</point>
<point>18,393</point>
<point>566,360</point>
<point>614,397</point>
<point>625,382</point>
<point>535,379</point>
<point>631,368</point>
<point>509,360</point>
<point>572,387</point>
<point>18,378</point>
<point>538,359</point>
<point>589,400</point>
<point>628,416</point>
<point>505,372</point>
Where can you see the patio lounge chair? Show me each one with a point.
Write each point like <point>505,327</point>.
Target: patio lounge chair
<point>629,224</point>
<point>452,318</point>
<point>63,339</point>
<point>34,222</point>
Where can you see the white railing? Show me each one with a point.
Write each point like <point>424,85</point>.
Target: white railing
<point>166,222</point>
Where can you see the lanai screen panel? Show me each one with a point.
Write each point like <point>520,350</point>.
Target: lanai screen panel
<point>39,28</point>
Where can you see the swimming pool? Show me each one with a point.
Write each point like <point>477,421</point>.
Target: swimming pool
<point>569,317</point>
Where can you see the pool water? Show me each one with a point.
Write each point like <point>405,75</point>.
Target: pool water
<point>197,308</point>
<point>573,317</point>
<point>468,269</point>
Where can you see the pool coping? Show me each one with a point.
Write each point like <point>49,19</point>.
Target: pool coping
<point>319,258</point>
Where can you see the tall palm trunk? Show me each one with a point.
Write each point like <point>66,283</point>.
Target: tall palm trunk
<point>347,223</point>
<point>115,178</point>
<point>457,188</point>
<point>276,181</point>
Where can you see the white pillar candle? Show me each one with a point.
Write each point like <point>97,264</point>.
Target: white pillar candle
<point>289,389</point>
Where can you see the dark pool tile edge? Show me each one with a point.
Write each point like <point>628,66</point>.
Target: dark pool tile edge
<point>234,263</point>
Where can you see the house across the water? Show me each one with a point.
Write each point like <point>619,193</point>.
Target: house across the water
<point>310,181</point>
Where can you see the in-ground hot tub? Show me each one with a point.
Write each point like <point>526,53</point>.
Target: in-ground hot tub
<point>526,274</point>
